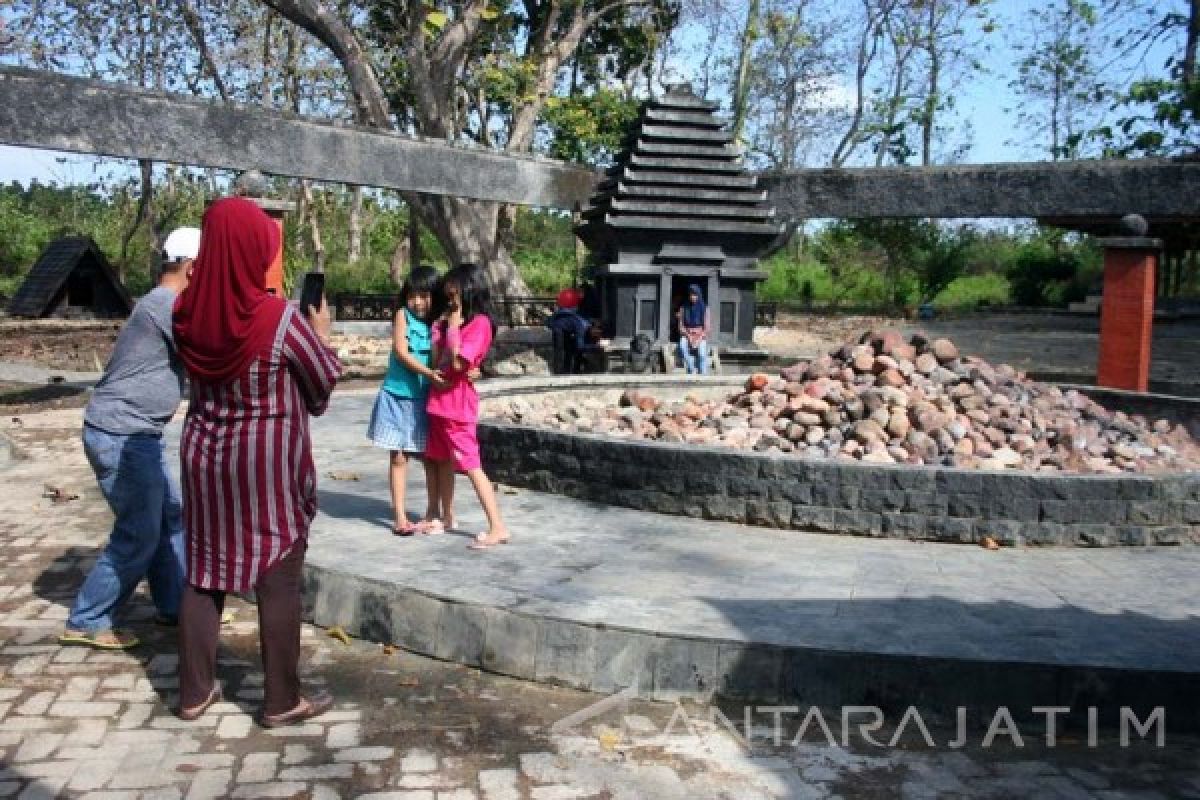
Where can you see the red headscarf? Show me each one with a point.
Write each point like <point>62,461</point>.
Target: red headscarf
<point>225,317</point>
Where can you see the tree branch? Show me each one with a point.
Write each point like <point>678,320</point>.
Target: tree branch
<point>195,27</point>
<point>602,11</point>
<point>322,21</point>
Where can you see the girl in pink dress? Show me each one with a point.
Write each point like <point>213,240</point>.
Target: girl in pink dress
<point>461,339</point>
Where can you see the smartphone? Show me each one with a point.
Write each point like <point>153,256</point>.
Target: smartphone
<point>312,291</point>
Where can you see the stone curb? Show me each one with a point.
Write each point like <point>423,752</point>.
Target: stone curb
<point>940,504</point>
<point>606,659</point>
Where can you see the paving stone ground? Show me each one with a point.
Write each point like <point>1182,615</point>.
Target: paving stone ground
<point>81,723</point>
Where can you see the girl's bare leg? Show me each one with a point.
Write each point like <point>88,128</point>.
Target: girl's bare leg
<point>496,531</point>
<point>446,492</point>
<point>397,478</point>
<point>433,505</point>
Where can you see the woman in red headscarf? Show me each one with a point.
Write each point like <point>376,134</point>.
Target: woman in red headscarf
<point>258,369</point>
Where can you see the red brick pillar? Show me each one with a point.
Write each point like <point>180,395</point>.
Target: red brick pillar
<point>1127,312</point>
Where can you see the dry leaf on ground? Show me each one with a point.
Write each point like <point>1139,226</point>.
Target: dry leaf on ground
<point>59,495</point>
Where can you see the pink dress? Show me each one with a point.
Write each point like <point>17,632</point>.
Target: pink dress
<point>454,411</point>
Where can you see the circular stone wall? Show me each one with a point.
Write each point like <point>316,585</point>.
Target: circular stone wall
<point>847,497</point>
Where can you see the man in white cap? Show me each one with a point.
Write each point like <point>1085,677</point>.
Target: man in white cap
<point>140,391</point>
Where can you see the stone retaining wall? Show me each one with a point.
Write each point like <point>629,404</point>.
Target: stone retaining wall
<point>932,503</point>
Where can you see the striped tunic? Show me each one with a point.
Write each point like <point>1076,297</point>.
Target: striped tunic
<point>249,483</point>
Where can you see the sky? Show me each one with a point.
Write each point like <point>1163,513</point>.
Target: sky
<point>985,101</point>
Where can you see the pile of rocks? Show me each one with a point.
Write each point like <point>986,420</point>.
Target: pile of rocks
<point>888,399</point>
<point>515,352</point>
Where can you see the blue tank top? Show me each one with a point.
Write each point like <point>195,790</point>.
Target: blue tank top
<point>400,380</point>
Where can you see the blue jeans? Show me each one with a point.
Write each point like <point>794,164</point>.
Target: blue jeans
<point>147,535</point>
<point>697,363</point>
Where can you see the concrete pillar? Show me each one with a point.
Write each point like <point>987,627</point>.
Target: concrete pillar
<point>1127,312</point>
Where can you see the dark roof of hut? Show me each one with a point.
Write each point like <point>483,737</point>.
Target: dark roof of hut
<point>42,287</point>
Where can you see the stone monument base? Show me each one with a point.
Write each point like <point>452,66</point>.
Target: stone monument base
<point>606,599</point>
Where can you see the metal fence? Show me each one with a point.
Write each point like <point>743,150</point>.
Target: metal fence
<point>524,312</point>
<point>765,314</point>
<point>529,312</point>
<point>365,307</point>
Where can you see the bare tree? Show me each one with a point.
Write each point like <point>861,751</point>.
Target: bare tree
<point>436,47</point>
<point>796,68</point>
<point>866,51</point>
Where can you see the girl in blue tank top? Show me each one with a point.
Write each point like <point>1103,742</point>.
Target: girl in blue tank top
<point>398,421</point>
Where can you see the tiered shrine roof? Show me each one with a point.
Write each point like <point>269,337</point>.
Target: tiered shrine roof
<point>679,181</point>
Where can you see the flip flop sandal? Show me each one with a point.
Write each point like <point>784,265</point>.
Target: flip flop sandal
<point>308,708</point>
<point>117,640</point>
<point>407,529</point>
<point>481,542</point>
<point>196,712</point>
<point>430,526</point>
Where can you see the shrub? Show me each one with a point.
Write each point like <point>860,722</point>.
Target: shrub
<point>1048,270</point>
<point>974,291</point>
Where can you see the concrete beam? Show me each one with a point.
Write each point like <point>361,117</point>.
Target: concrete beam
<point>47,110</point>
<point>1063,189</point>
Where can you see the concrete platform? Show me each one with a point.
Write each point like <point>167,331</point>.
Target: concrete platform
<point>607,598</point>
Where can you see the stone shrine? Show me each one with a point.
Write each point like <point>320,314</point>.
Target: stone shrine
<point>678,207</point>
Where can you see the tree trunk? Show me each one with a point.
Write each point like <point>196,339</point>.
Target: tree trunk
<point>314,227</point>
<point>741,84</point>
<point>144,214</point>
<point>355,226</point>
<point>931,99</point>
<point>867,47</point>
<point>265,87</point>
<point>903,48</point>
<point>399,265</point>
<point>467,231</point>
<point>414,239</point>
<point>1188,65</point>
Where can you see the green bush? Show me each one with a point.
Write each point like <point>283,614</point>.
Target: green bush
<point>796,282</point>
<point>974,291</point>
<point>1050,270</point>
<point>544,250</point>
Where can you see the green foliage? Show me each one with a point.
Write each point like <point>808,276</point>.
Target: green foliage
<point>878,264</point>
<point>1050,271</point>
<point>969,292</point>
<point>1059,77</point>
<point>31,218</point>
<point>903,263</point>
<point>589,128</point>
<point>544,250</point>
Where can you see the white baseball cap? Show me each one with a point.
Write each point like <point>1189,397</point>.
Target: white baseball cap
<point>181,243</point>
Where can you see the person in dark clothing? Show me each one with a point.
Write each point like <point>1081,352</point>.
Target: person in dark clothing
<point>570,332</point>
